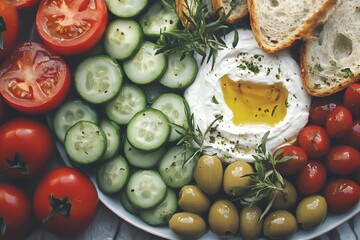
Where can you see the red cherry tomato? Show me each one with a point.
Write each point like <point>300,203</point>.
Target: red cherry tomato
<point>33,79</point>
<point>11,19</point>
<point>342,194</point>
<point>22,4</point>
<point>71,27</point>
<point>351,99</point>
<point>295,164</point>
<point>26,146</point>
<point>343,160</point>
<point>15,212</point>
<point>65,201</point>
<point>320,109</point>
<point>311,178</point>
<point>339,122</point>
<point>353,139</point>
<point>314,140</point>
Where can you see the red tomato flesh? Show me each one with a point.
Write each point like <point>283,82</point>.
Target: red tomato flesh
<point>33,79</point>
<point>70,27</point>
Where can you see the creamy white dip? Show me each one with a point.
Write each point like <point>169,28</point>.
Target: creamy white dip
<point>238,142</point>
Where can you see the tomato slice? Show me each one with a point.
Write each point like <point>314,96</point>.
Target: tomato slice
<point>22,4</point>
<point>33,79</point>
<point>70,27</point>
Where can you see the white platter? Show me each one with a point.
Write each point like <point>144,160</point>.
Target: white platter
<point>113,203</point>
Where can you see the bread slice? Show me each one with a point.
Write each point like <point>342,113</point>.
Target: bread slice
<point>277,24</point>
<point>237,14</point>
<point>331,61</point>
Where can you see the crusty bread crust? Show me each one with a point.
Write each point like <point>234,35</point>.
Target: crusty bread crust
<point>330,61</point>
<point>302,31</point>
<point>237,14</point>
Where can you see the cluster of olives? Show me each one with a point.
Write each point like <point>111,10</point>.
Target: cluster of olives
<point>213,201</point>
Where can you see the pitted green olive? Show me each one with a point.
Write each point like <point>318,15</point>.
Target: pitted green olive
<point>286,199</point>
<point>209,174</point>
<point>192,199</point>
<point>279,224</point>
<point>234,176</point>
<point>250,223</point>
<point>311,211</point>
<point>223,218</point>
<point>187,224</point>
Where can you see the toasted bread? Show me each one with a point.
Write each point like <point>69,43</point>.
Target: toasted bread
<point>237,14</point>
<point>278,24</point>
<point>331,60</point>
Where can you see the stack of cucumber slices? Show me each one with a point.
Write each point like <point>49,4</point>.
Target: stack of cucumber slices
<point>120,121</point>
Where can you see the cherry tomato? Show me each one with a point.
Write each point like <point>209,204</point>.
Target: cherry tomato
<point>351,99</point>
<point>341,194</point>
<point>311,178</point>
<point>353,139</point>
<point>11,19</point>
<point>26,146</point>
<point>295,164</point>
<point>15,212</point>
<point>320,109</point>
<point>22,4</point>
<point>314,140</point>
<point>339,122</point>
<point>71,27</point>
<point>33,79</point>
<point>65,201</point>
<point>343,160</point>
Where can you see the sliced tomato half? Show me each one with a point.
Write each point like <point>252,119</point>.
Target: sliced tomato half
<point>33,79</point>
<point>71,27</point>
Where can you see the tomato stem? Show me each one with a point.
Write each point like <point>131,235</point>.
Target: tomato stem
<point>18,163</point>
<point>61,206</point>
<point>2,227</point>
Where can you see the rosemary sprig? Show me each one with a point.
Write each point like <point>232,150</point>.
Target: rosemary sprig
<point>199,35</point>
<point>265,179</point>
<point>192,138</point>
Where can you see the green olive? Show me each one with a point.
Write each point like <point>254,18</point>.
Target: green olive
<point>223,218</point>
<point>187,224</point>
<point>209,174</point>
<point>250,223</point>
<point>284,200</point>
<point>311,211</point>
<point>279,224</point>
<point>192,199</point>
<point>234,177</point>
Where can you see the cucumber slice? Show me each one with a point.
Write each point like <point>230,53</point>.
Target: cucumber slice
<point>112,175</point>
<point>142,159</point>
<point>157,19</point>
<point>146,66</point>
<point>130,100</point>
<point>161,214</point>
<point>125,202</point>
<point>112,133</point>
<point>70,113</point>
<point>85,142</point>
<point>180,73</point>
<point>146,189</point>
<point>173,169</point>
<point>126,8</point>
<point>173,106</point>
<point>98,79</point>
<point>123,38</point>
<point>148,130</point>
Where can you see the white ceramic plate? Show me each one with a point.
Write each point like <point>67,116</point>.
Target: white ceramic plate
<point>113,203</point>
